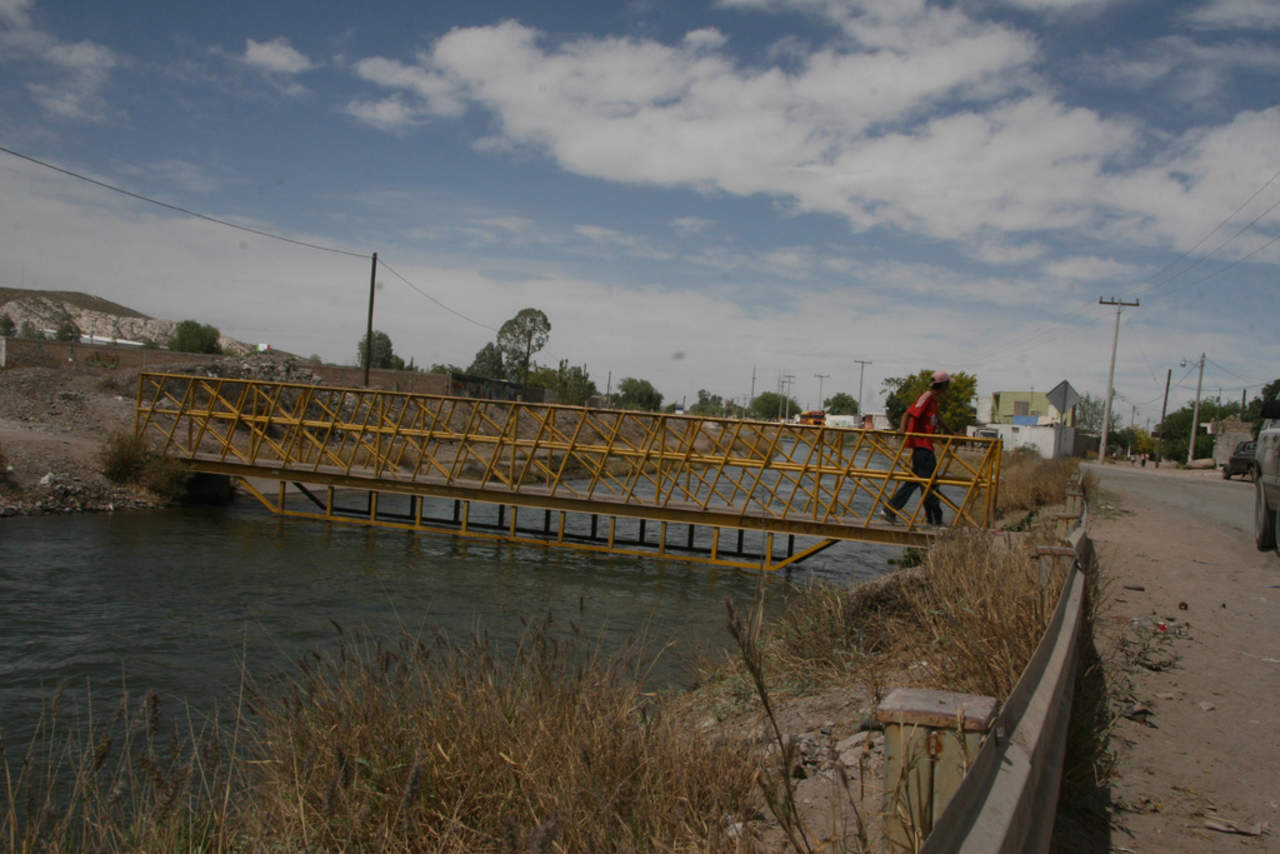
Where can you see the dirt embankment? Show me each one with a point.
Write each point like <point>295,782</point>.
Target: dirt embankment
<point>53,423</point>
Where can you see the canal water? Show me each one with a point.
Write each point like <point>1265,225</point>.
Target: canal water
<point>175,601</point>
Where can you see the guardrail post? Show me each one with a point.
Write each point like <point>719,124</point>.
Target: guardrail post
<point>931,738</point>
<point>1075,498</point>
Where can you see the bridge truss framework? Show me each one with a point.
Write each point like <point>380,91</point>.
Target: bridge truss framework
<point>726,492</point>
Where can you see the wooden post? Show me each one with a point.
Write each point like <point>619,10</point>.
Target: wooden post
<point>931,738</point>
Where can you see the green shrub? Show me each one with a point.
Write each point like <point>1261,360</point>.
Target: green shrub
<point>123,457</point>
<point>190,336</point>
<point>128,459</point>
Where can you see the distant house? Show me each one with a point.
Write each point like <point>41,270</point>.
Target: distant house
<point>1026,419</point>
<point>1023,407</point>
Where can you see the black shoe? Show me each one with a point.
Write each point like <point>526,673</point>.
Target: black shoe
<point>889,516</point>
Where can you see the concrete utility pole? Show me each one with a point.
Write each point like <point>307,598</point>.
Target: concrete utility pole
<point>1195,414</point>
<point>862,366</point>
<point>1111,375</point>
<point>820,377</point>
<point>368,336</point>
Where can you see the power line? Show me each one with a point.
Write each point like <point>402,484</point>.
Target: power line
<point>1218,228</point>
<point>236,226</point>
<point>452,311</point>
<point>179,209</point>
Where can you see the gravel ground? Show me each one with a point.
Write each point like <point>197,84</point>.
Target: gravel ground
<point>53,423</point>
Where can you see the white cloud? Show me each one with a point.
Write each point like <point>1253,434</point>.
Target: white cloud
<point>76,71</point>
<point>276,56</point>
<point>612,238</point>
<point>16,13</point>
<point>1082,268</point>
<point>691,224</point>
<point>1237,15</point>
<point>389,114</point>
<point>1196,70</point>
<point>1054,6</point>
<point>175,173</point>
<point>996,250</point>
<point>437,93</point>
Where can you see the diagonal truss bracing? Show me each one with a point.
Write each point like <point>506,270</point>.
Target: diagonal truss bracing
<point>775,478</point>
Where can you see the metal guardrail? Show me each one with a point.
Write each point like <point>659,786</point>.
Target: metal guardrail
<point>790,479</point>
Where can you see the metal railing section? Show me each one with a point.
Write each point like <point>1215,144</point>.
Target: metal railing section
<point>416,442</point>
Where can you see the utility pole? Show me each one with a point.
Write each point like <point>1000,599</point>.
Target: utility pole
<point>368,336</point>
<point>820,377</point>
<point>1195,414</point>
<point>752,398</point>
<point>1111,374</point>
<point>1164,408</point>
<point>862,366</point>
<point>784,384</point>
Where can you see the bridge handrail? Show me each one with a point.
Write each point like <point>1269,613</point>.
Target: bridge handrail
<point>755,467</point>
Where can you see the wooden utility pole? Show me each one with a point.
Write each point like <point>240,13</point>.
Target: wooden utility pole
<point>368,335</point>
<point>1164,408</point>
<point>1111,375</point>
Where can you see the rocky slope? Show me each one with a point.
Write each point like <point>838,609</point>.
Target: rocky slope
<point>48,310</point>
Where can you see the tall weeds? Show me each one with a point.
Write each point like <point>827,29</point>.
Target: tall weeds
<point>405,746</point>
<point>1028,481</point>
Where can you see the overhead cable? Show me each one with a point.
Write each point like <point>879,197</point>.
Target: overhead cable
<point>452,311</point>
<point>182,210</point>
<point>1218,228</point>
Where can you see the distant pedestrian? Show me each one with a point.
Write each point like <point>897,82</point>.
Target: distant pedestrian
<point>922,417</point>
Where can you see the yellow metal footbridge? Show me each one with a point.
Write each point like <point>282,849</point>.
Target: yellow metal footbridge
<point>750,494</point>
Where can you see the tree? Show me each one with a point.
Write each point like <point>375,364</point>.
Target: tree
<point>449,368</point>
<point>519,338</point>
<point>770,406</point>
<point>956,407</point>
<point>6,326</point>
<point>1175,433</point>
<point>381,354</point>
<point>841,404</point>
<point>708,404</point>
<point>1089,413</point>
<point>190,336</point>
<point>67,331</point>
<point>570,384</point>
<point>1269,392</point>
<point>637,394</point>
<point>488,363</point>
<point>28,330</point>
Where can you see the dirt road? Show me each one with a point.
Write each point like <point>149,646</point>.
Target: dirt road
<point>1193,609</point>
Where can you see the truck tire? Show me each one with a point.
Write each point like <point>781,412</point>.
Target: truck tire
<point>1226,472</point>
<point>1264,519</point>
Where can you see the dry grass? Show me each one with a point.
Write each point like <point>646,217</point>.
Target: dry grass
<point>139,781</point>
<point>1028,482</point>
<point>411,746</point>
<point>446,748</point>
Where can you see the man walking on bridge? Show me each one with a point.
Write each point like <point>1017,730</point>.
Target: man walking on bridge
<point>922,418</point>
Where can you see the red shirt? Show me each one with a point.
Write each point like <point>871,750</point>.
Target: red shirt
<point>922,417</point>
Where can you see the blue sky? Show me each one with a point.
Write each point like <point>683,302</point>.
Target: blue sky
<point>689,190</point>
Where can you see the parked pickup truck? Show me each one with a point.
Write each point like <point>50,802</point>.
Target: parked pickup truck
<point>1266,520</point>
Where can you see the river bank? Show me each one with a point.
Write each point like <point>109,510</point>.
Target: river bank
<point>54,422</point>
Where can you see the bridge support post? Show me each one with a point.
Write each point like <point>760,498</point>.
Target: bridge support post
<point>930,738</point>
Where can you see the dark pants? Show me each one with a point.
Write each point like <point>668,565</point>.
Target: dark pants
<point>923,462</point>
